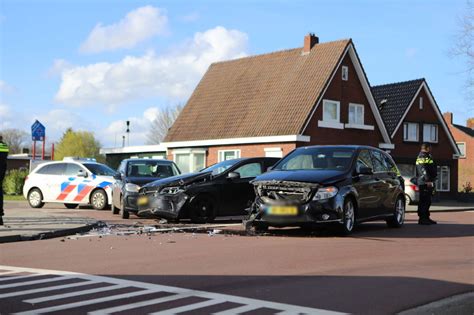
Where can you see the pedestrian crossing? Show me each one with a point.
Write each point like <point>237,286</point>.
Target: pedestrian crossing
<point>28,291</point>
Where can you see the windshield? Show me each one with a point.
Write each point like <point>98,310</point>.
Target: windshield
<point>318,158</point>
<point>99,169</point>
<point>155,169</point>
<point>219,168</point>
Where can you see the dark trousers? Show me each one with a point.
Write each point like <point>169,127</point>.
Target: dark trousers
<point>425,201</point>
<point>2,175</point>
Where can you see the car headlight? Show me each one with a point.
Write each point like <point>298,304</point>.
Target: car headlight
<point>132,187</point>
<point>325,193</point>
<point>170,190</point>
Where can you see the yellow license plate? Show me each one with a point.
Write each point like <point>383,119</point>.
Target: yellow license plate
<point>142,201</point>
<point>282,210</point>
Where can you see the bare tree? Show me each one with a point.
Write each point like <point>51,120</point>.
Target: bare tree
<point>464,46</point>
<point>162,123</point>
<point>15,138</point>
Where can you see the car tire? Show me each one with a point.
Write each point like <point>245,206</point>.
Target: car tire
<point>124,214</point>
<point>202,210</point>
<point>115,210</point>
<point>398,217</point>
<point>35,198</point>
<point>71,205</point>
<point>349,217</point>
<point>99,199</point>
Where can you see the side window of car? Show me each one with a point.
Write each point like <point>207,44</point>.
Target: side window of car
<point>390,164</point>
<point>364,160</point>
<point>249,170</point>
<point>379,162</point>
<point>72,169</point>
<point>43,170</point>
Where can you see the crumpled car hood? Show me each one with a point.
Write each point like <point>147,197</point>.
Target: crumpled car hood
<point>308,176</point>
<point>178,180</point>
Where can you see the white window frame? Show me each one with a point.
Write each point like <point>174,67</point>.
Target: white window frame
<point>273,152</point>
<point>437,133</point>
<point>438,180</point>
<point>191,152</point>
<point>220,154</point>
<point>462,156</point>
<point>356,106</point>
<point>331,123</point>
<point>345,73</point>
<point>405,135</point>
<point>421,103</point>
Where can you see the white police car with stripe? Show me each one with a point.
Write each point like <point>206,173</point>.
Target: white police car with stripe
<point>71,182</point>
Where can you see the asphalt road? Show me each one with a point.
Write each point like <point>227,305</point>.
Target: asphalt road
<point>375,271</point>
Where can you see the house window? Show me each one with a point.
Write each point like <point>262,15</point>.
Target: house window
<point>430,133</point>
<point>273,152</point>
<point>190,161</point>
<point>421,103</point>
<point>462,149</point>
<point>345,73</point>
<point>225,155</point>
<point>442,181</point>
<point>356,114</point>
<point>410,132</point>
<point>331,111</point>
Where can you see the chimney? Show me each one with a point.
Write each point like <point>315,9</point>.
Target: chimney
<point>309,41</point>
<point>470,123</point>
<point>448,118</point>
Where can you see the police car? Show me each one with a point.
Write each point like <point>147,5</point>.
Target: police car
<point>71,182</point>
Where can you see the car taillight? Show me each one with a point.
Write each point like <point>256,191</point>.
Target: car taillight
<point>414,187</point>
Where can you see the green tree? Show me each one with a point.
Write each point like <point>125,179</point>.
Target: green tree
<point>78,144</point>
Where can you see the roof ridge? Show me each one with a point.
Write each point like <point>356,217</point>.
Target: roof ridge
<point>400,82</point>
<point>280,51</point>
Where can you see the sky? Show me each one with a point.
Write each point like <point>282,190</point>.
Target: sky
<point>92,65</point>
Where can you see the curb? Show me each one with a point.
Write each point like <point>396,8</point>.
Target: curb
<point>457,304</point>
<point>51,234</point>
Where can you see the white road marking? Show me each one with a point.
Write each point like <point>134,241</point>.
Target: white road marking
<point>238,310</point>
<point>147,288</point>
<point>71,294</point>
<point>190,307</point>
<point>18,277</point>
<point>58,287</point>
<point>19,284</point>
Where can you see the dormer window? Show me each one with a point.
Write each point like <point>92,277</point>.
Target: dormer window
<point>421,103</point>
<point>345,73</point>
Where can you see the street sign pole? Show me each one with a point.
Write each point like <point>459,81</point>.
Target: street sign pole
<point>34,150</point>
<point>42,152</point>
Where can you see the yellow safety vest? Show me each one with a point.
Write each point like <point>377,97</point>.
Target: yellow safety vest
<point>3,148</point>
<point>424,161</point>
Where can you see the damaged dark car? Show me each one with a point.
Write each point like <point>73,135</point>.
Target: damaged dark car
<point>222,189</point>
<point>342,185</point>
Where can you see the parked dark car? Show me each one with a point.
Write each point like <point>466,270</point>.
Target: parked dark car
<point>329,184</point>
<point>131,175</point>
<point>222,189</point>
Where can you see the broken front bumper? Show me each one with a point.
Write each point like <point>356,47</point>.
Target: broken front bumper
<point>167,206</point>
<point>310,213</point>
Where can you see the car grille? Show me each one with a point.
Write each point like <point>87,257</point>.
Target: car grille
<point>285,192</point>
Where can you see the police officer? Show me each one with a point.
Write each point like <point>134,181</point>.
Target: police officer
<point>3,169</point>
<point>426,172</point>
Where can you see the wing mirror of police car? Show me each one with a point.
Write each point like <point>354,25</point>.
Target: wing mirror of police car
<point>365,170</point>
<point>233,175</point>
<point>81,173</point>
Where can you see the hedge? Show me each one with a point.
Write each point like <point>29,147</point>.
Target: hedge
<point>13,182</point>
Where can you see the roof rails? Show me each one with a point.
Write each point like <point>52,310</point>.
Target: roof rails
<point>78,159</point>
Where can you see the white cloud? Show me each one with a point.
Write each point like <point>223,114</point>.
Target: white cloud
<point>139,127</point>
<point>137,26</point>
<point>172,76</point>
<point>58,67</point>
<point>5,116</point>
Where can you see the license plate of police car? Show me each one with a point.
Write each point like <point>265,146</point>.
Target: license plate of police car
<point>282,210</point>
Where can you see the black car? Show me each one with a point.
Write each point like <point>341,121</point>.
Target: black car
<point>131,175</point>
<point>329,184</point>
<point>222,189</point>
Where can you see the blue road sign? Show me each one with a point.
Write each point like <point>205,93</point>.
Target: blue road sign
<point>38,131</point>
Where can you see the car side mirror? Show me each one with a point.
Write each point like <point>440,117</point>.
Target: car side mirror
<point>81,173</point>
<point>233,175</point>
<point>118,176</point>
<point>269,168</point>
<point>365,170</point>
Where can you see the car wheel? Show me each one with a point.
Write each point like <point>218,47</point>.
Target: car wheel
<point>124,212</point>
<point>35,198</point>
<point>71,205</point>
<point>398,214</point>
<point>99,199</point>
<point>408,200</point>
<point>252,228</point>
<point>202,210</point>
<point>115,210</point>
<point>348,220</point>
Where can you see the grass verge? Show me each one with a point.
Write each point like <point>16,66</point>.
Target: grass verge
<point>13,197</point>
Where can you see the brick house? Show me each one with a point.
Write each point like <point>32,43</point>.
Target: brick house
<point>464,136</point>
<point>411,116</point>
<point>267,105</point>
